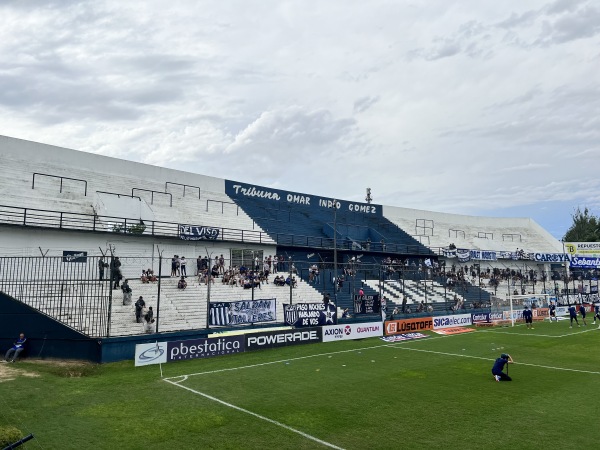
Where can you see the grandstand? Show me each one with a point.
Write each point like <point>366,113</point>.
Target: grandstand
<point>58,202</point>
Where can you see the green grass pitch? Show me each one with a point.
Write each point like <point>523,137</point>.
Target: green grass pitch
<point>434,392</point>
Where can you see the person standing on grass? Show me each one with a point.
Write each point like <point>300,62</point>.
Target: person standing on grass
<point>553,312</point>
<point>499,364</point>
<point>596,313</point>
<point>582,312</point>
<point>573,315</point>
<point>528,316</point>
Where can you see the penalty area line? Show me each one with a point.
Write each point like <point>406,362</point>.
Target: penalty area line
<point>492,359</point>
<point>266,419</point>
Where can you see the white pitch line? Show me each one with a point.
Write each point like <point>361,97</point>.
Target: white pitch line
<point>541,335</point>
<point>492,359</point>
<point>274,362</point>
<point>274,422</point>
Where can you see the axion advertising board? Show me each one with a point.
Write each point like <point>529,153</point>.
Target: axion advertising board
<point>408,325</point>
<point>458,320</point>
<point>352,331</point>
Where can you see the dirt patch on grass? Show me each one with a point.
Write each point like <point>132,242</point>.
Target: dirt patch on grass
<point>9,372</point>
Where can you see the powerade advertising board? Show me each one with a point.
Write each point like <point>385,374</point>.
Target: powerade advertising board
<point>282,338</point>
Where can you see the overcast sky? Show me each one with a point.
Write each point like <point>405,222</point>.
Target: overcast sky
<point>474,106</point>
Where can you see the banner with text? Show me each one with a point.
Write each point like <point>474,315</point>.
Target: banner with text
<point>243,312</point>
<point>458,320</point>
<point>310,314</point>
<point>352,331</point>
<point>408,325</point>
<point>282,338</point>
<point>367,304</point>
<point>197,232</point>
<point>583,248</point>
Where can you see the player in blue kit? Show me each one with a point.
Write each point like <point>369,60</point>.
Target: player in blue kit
<point>553,312</point>
<point>596,313</point>
<point>528,316</point>
<point>582,312</point>
<point>499,364</point>
<point>573,315</point>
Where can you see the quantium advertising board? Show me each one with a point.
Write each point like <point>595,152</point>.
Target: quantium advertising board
<point>408,325</point>
<point>352,331</point>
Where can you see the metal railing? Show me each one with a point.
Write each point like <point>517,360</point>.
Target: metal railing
<point>61,180</point>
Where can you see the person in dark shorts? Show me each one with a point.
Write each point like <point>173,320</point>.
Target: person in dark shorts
<point>553,312</point>
<point>528,316</point>
<point>573,315</point>
<point>582,312</point>
<point>499,364</point>
<point>596,313</point>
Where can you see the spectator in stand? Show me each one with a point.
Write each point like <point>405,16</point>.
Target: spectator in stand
<point>183,266</point>
<point>115,270</point>
<point>403,303</point>
<point>144,277</point>
<point>101,266</point>
<point>151,277</point>
<point>181,284</point>
<point>149,326</point>
<point>174,266</point>
<point>361,292</point>
<point>139,307</point>
<point>126,293</point>
<point>18,347</point>
<point>198,265</point>
<point>221,264</point>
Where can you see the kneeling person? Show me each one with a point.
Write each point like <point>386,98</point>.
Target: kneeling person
<point>499,364</point>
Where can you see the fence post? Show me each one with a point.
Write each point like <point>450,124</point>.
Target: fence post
<point>158,294</point>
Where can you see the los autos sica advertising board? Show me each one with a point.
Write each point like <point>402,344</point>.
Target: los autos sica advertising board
<point>352,331</point>
<point>458,320</point>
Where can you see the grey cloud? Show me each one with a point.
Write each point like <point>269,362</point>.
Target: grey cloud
<point>364,103</point>
<point>579,24</point>
<point>292,128</point>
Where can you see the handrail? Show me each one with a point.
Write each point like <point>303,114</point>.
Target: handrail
<point>222,202</point>
<point>485,235</point>
<point>512,236</point>
<point>152,196</point>
<point>61,180</point>
<point>456,233</point>
<point>119,195</point>
<point>17,216</point>
<point>184,186</point>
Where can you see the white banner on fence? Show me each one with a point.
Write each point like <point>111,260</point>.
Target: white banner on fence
<point>152,353</point>
<point>352,331</point>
